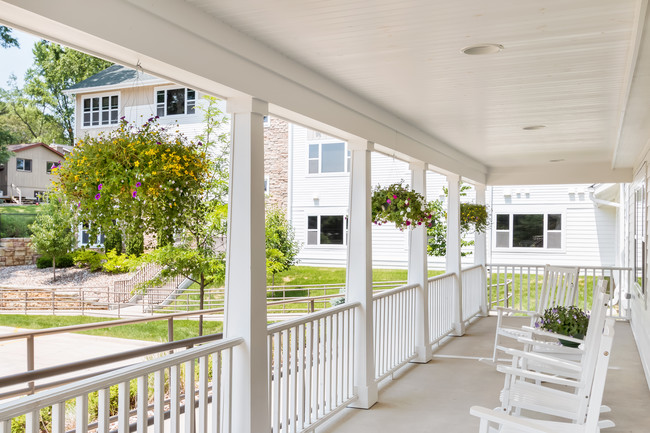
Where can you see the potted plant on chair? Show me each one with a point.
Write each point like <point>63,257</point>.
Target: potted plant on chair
<point>570,321</point>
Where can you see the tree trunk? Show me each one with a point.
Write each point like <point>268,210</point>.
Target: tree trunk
<point>54,267</point>
<point>201,293</point>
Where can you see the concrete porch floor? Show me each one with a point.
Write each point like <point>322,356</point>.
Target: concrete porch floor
<point>436,397</point>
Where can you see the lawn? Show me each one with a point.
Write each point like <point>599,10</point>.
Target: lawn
<point>14,220</point>
<point>151,331</point>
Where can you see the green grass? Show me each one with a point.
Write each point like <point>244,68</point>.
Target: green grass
<point>29,208</point>
<point>151,331</point>
<point>319,275</point>
<point>520,286</point>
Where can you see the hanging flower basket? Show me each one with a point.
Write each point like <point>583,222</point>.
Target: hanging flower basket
<point>400,205</point>
<point>473,217</point>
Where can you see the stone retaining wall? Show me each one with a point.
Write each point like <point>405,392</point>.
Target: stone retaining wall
<point>16,252</point>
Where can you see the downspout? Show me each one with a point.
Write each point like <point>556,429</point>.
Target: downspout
<point>598,201</point>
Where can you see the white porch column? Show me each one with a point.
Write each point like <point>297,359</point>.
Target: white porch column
<point>480,250</point>
<point>453,249</point>
<point>245,312</point>
<point>359,273</point>
<point>417,270</point>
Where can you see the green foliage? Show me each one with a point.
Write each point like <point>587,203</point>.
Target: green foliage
<point>16,225</point>
<point>135,179</point>
<point>191,263</point>
<point>134,244</point>
<point>400,205</point>
<point>113,241</point>
<point>473,218</point>
<point>65,261</point>
<point>84,258</point>
<point>55,69</point>
<point>6,40</point>
<point>281,244</point>
<point>571,321</point>
<point>51,233</point>
<point>18,424</point>
<point>119,264</point>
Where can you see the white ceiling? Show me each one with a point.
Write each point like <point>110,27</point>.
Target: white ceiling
<point>391,71</point>
<point>565,64</point>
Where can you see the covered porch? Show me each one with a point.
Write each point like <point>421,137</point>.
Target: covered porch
<point>569,104</point>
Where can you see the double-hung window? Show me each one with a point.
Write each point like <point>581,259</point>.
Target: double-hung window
<point>328,158</point>
<point>100,110</point>
<point>529,231</point>
<point>327,230</point>
<point>173,102</point>
<point>23,164</point>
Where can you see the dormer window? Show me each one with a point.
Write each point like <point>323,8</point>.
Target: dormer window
<point>100,110</point>
<point>172,102</point>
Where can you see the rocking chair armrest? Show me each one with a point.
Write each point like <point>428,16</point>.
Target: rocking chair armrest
<point>543,333</point>
<point>550,345</point>
<point>523,425</point>
<point>544,359</point>
<point>535,375</point>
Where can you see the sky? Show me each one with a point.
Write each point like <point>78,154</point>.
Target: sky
<point>17,60</point>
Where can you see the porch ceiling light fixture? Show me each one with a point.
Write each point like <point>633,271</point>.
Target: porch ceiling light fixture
<point>556,160</point>
<point>481,49</point>
<point>533,127</point>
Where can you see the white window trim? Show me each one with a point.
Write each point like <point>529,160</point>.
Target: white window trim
<point>31,164</point>
<point>535,211</point>
<point>171,87</point>
<point>320,150</point>
<point>80,238</point>
<point>267,184</point>
<point>80,117</point>
<point>267,121</point>
<point>319,215</point>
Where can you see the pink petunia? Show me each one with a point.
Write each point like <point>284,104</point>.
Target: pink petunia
<point>135,193</point>
<point>99,187</point>
<point>388,200</point>
<point>137,184</point>
<point>98,196</point>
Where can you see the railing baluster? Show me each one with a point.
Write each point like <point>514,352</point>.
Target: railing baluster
<point>202,424</point>
<point>159,401</point>
<point>143,402</point>
<point>123,406</point>
<point>81,414</point>
<point>58,418</point>
<point>175,398</point>
<point>103,409</point>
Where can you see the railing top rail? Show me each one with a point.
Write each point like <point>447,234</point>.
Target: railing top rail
<point>331,285</point>
<point>441,276</point>
<point>582,267</point>
<point>310,317</point>
<point>390,292</point>
<point>77,366</point>
<point>51,288</point>
<point>304,299</point>
<point>104,324</point>
<point>469,268</point>
<point>20,406</point>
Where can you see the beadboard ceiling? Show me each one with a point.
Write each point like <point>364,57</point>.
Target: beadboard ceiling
<point>567,65</point>
<point>392,72</point>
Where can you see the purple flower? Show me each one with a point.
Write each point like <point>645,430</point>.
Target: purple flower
<point>157,142</point>
<point>79,204</point>
<point>394,196</point>
<point>135,193</point>
<point>98,196</point>
<point>388,200</point>
<point>99,187</point>
<point>137,184</point>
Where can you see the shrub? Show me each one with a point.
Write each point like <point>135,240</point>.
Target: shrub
<point>135,244</point>
<point>118,264</point>
<point>45,262</point>
<point>113,241</point>
<point>88,259</point>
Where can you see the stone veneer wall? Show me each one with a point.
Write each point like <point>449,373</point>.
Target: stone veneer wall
<point>276,161</point>
<point>16,252</point>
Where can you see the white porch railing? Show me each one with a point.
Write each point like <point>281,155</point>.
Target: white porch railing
<point>441,299</point>
<point>525,281</point>
<point>311,368</point>
<point>394,329</point>
<point>473,282</point>
<point>213,385</point>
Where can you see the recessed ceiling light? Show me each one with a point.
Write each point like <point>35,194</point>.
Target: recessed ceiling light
<point>533,127</point>
<point>474,50</point>
<point>556,160</point>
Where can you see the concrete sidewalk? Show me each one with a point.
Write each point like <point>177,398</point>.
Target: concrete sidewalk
<point>51,350</point>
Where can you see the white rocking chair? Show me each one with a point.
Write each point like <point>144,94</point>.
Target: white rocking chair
<point>559,287</point>
<point>497,421</point>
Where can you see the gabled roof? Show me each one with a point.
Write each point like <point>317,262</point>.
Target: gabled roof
<point>114,77</point>
<point>16,148</point>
